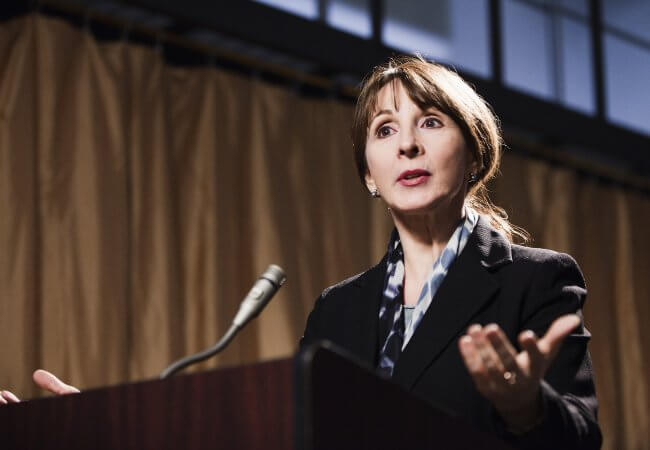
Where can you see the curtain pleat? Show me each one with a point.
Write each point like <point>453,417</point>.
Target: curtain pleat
<point>139,201</point>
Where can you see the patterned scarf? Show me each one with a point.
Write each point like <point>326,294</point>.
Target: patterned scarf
<point>391,311</point>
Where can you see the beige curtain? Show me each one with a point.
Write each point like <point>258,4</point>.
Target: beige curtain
<point>605,228</point>
<point>138,202</point>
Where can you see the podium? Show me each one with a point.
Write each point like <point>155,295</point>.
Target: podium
<point>315,401</point>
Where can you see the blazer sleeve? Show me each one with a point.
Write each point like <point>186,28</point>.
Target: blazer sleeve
<point>568,392</point>
<point>312,329</point>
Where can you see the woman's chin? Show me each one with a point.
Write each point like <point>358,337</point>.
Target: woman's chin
<point>425,207</point>
<point>414,208</point>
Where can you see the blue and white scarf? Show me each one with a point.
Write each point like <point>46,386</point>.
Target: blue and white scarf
<point>391,311</point>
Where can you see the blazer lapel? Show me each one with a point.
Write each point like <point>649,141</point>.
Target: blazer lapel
<point>369,290</point>
<point>468,286</point>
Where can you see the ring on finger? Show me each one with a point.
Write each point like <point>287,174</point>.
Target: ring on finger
<point>510,377</point>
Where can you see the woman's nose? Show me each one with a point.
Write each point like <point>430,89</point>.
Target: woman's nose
<point>409,146</point>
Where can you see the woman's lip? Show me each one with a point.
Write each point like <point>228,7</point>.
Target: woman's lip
<point>415,180</point>
<point>412,174</point>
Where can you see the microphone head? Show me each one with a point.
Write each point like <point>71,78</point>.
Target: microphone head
<point>275,274</point>
<point>264,288</point>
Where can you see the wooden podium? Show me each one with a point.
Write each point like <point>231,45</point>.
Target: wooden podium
<point>318,400</point>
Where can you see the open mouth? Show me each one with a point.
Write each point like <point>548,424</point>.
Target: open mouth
<point>413,174</point>
<point>413,177</point>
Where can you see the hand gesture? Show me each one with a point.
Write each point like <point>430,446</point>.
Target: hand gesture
<point>511,380</point>
<point>44,380</point>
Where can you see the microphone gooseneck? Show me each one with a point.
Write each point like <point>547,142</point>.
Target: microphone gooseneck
<point>262,291</point>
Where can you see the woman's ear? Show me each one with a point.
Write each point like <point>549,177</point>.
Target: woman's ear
<point>370,183</point>
<point>473,167</point>
<point>472,175</point>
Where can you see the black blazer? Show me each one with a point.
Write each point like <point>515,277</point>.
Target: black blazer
<point>492,281</point>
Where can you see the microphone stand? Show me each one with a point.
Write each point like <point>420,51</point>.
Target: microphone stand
<point>264,288</point>
<point>201,356</point>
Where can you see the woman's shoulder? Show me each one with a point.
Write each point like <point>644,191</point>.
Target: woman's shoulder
<point>534,255</point>
<point>356,281</point>
<point>521,256</point>
<point>343,285</point>
<point>547,264</point>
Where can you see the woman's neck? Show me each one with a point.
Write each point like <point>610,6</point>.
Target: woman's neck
<point>423,239</point>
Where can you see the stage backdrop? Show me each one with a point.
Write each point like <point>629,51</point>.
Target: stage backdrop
<point>139,201</point>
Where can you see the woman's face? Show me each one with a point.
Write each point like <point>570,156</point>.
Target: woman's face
<point>417,160</point>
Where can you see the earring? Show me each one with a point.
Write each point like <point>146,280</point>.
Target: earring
<point>374,193</point>
<point>473,178</point>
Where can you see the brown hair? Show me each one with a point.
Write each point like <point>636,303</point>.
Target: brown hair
<point>432,85</point>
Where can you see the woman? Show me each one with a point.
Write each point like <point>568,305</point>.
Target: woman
<point>443,311</point>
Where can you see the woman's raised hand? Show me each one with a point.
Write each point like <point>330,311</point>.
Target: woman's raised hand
<point>511,380</point>
<point>44,380</point>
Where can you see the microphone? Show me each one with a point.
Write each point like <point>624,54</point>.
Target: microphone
<point>264,288</point>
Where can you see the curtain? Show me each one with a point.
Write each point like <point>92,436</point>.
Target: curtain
<point>604,228</point>
<point>139,201</point>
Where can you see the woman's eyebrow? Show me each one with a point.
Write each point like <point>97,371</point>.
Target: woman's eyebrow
<point>432,110</point>
<point>379,113</point>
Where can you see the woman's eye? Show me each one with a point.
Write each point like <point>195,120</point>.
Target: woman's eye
<point>384,131</point>
<point>431,122</point>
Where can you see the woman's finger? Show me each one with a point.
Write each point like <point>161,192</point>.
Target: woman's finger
<point>470,355</point>
<point>561,327</point>
<point>502,346</point>
<point>489,380</point>
<point>9,397</point>
<point>535,359</point>
<point>475,365</point>
<point>49,382</point>
<point>491,361</point>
